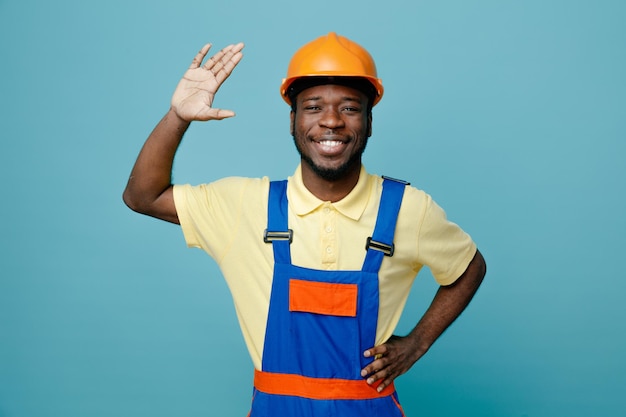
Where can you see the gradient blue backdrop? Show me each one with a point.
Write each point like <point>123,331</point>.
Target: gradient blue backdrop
<point>511,114</point>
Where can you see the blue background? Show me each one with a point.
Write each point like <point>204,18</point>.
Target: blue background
<point>511,114</point>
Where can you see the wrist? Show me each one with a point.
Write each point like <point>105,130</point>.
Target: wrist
<point>420,344</point>
<point>175,118</point>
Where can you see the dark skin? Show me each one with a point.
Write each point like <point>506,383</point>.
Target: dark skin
<point>149,189</point>
<point>338,115</point>
<point>331,125</point>
<point>399,354</point>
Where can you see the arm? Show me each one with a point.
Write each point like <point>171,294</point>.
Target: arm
<point>149,190</point>
<point>399,354</point>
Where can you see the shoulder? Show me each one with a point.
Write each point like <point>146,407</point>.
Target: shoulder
<point>411,192</point>
<point>238,185</point>
<point>226,186</point>
<point>413,200</point>
<point>223,192</point>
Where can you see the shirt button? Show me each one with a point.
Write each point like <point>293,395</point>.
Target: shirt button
<point>326,209</point>
<point>329,229</point>
<point>329,250</point>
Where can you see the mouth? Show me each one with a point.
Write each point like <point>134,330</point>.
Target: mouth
<point>330,146</point>
<point>330,143</point>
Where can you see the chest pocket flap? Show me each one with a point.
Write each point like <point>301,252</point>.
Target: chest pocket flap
<point>330,299</point>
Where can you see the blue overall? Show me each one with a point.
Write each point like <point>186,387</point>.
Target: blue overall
<point>313,351</point>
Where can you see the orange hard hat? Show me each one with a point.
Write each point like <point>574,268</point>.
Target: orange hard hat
<point>332,56</point>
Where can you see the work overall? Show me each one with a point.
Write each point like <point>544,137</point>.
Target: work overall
<point>320,323</point>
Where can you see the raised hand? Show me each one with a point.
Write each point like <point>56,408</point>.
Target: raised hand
<point>193,98</point>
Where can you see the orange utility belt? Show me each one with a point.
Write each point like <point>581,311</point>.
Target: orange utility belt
<point>317,388</point>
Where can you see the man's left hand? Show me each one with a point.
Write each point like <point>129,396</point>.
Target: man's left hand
<point>398,354</point>
<point>392,359</point>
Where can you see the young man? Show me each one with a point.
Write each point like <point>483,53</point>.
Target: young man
<point>319,265</point>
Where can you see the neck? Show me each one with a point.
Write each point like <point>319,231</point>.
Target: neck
<point>330,190</point>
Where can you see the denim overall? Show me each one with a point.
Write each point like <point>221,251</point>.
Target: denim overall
<point>320,323</point>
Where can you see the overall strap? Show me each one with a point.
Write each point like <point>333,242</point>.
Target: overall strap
<point>277,231</point>
<point>381,242</point>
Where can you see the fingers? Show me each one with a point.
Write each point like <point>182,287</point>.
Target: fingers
<point>391,360</point>
<point>231,63</point>
<point>197,60</point>
<point>379,373</point>
<point>211,113</point>
<point>226,59</point>
<point>217,61</point>
<point>379,369</point>
<point>223,63</point>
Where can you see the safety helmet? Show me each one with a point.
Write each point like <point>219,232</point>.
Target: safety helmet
<point>332,56</point>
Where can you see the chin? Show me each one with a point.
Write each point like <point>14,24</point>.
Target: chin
<point>330,173</point>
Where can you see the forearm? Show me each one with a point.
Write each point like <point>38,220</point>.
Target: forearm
<point>398,354</point>
<point>448,304</point>
<point>150,178</point>
<point>149,189</point>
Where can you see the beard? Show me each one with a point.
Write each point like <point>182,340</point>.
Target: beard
<point>332,174</point>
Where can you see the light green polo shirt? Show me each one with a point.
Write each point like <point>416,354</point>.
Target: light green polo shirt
<point>227,218</point>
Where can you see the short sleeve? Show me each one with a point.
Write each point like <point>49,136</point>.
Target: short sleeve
<point>210,215</point>
<point>443,246</point>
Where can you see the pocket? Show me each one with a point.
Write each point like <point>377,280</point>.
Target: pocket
<point>325,298</point>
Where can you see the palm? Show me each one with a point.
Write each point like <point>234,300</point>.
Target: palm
<point>193,98</point>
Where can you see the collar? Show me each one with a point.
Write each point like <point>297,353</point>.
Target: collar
<point>353,205</point>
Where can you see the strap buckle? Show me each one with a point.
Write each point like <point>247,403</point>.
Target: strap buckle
<point>386,249</point>
<point>396,180</point>
<point>269,236</point>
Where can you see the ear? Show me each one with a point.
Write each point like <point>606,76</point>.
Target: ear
<point>292,119</point>
<point>369,124</point>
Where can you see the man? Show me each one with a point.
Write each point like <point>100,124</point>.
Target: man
<point>319,266</point>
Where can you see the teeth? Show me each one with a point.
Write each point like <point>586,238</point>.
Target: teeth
<point>330,143</point>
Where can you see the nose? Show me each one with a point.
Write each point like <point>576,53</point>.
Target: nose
<point>331,119</point>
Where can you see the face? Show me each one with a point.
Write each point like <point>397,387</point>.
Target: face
<point>330,128</point>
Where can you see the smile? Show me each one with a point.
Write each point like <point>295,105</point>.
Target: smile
<point>330,143</point>
<point>330,147</point>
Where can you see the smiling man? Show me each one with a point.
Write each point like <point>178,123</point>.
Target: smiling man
<point>330,131</point>
<point>319,265</point>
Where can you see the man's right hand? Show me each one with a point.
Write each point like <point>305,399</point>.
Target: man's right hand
<point>149,189</point>
<point>193,98</point>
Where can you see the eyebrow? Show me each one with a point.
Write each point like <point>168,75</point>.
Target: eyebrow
<point>344,98</point>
